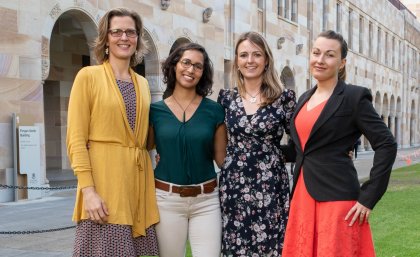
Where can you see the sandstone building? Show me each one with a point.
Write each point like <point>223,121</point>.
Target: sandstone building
<point>44,43</point>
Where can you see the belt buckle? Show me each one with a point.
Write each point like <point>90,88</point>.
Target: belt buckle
<point>188,191</point>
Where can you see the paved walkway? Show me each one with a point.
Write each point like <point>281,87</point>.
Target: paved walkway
<point>55,212</point>
<point>48,213</point>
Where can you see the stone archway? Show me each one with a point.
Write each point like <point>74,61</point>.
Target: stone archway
<point>385,110</point>
<point>378,105</point>
<point>393,117</point>
<point>178,42</point>
<point>398,131</point>
<point>287,78</point>
<point>149,68</point>
<point>378,108</point>
<point>413,124</point>
<point>69,51</point>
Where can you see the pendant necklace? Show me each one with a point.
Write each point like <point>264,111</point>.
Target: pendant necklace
<point>252,99</point>
<point>183,109</point>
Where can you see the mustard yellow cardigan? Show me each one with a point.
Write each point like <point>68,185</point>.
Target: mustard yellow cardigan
<point>117,163</point>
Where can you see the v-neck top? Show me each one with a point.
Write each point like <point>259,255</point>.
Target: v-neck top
<point>306,119</point>
<point>186,149</point>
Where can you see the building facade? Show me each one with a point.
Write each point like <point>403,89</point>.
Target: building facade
<point>45,43</point>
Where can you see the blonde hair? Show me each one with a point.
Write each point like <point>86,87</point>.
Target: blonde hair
<point>271,87</point>
<point>102,39</point>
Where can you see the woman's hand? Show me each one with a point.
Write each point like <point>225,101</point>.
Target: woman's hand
<point>95,206</point>
<point>157,158</point>
<point>359,212</point>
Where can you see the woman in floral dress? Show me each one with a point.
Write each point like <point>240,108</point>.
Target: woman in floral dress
<point>254,183</point>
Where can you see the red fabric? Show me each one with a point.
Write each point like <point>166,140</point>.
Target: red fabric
<point>318,229</point>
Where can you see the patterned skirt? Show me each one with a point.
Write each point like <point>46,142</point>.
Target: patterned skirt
<point>112,240</point>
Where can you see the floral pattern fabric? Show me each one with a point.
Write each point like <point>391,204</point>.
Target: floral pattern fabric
<point>254,183</point>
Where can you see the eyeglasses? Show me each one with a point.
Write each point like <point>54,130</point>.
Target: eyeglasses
<point>186,63</point>
<point>119,32</point>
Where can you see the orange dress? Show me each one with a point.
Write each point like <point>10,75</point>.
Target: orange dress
<point>318,229</point>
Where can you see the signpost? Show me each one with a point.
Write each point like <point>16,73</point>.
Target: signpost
<point>30,158</point>
<point>26,171</point>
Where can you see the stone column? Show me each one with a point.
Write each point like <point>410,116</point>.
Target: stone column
<point>392,125</point>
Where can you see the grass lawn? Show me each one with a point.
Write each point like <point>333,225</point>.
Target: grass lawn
<point>395,221</point>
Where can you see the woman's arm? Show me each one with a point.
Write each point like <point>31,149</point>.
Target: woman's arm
<point>78,122</point>
<point>220,143</point>
<point>289,106</point>
<point>79,118</point>
<point>383,143</point>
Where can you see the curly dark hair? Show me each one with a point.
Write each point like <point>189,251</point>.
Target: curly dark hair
<point>204,86</point>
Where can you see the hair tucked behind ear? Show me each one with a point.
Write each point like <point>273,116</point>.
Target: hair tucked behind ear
<point>330,34</point>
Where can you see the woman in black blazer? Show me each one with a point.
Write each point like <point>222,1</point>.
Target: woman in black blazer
<point>329,210</point>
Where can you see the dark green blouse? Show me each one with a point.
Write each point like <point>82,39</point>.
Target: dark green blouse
<point>186,149</point>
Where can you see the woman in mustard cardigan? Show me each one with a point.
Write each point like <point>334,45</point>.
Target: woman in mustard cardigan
<point>106,142</point>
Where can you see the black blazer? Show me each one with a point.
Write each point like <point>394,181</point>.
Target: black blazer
<point>329,173</point>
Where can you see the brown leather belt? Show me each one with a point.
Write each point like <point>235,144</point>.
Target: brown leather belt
<point>187,191</point>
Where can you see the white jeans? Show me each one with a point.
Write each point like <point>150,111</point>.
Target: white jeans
<point>196,218</point>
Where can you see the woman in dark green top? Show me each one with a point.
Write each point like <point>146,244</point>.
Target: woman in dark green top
<point>189,133</point>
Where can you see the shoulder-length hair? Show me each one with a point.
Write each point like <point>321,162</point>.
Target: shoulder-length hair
<point>99,45</point>
<point>204,86</point>
<point>271,87</point>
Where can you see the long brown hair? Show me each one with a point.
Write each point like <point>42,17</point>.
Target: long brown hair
<point>271,87</point>
<point>330,34</point>
<point>102,39</point>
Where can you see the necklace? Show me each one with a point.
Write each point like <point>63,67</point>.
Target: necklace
<point>183,109</point>
<point>124,79</point>
<point>252,99</point>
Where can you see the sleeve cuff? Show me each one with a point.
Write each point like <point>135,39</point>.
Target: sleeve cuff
<point>85,179</point>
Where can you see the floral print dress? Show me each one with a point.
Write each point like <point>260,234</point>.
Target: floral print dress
<point>254,183</point>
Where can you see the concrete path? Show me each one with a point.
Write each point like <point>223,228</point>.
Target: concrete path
<point>48,213</point>
<point>55,212</point>
<point>405,157</point>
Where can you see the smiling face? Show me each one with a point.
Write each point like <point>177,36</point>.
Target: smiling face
<point>122,47</point>
<point>325,60</point>
<point>188,77</point>
<point>251,60</point>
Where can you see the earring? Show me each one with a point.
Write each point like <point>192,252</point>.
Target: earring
<point>106,51</point>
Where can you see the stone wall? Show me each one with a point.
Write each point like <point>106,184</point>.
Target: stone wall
<point>44,45</point>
